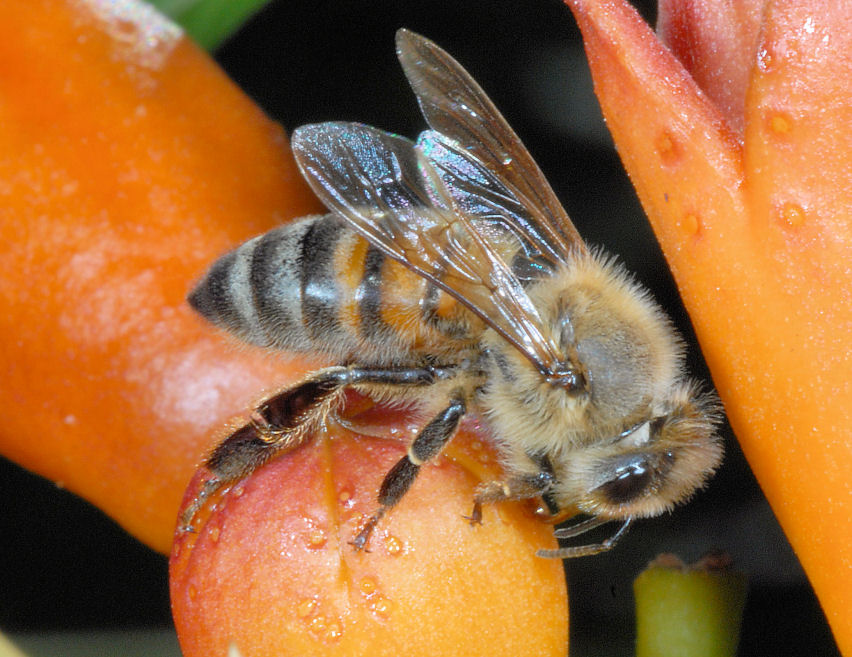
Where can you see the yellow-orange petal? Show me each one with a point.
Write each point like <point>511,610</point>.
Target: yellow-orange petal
<point>682,158</point>
<point>271,571</point>
<point>770,309</point>
<point>798,158</point>
<point>128,162</point>
<point>798,149</point>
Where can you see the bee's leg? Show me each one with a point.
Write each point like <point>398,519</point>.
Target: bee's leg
<point>518,487</point>
<point>585,550</point>
<point>427,445</point>
<point>288,418</point>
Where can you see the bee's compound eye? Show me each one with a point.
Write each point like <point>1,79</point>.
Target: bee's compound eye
<point>628,481</point>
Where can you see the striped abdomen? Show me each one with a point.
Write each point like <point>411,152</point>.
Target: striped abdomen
<point>315,285</point>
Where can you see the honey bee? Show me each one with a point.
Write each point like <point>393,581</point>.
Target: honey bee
<point>447,275</point>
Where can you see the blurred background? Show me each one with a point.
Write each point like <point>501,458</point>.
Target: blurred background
<point>66,567</point>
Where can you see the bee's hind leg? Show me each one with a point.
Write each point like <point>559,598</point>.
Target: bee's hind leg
<point>238,455</point>
<point>427,445</point>
<point>281,423</point>
<point>287,419</point>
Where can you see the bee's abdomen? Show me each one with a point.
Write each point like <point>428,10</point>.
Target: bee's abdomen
<point>315,285</point>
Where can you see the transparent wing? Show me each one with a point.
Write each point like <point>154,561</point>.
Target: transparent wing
<point>473,132</point>
<point>390,193</point>
<point>493,209</point>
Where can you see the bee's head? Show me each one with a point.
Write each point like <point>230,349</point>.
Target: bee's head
<point>650,467</point>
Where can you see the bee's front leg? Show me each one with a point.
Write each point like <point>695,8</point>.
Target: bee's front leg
<point>288,419</point>
<point>426,446</point>
<point>518,487</point>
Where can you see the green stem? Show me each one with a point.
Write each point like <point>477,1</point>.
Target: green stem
<point>688,611</point>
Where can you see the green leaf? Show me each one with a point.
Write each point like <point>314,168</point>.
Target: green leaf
<point>209,22</point>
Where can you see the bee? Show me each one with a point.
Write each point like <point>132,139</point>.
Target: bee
<point>448,276</point>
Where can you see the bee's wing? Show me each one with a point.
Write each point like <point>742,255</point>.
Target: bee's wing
<point>390,193</point>
<point>458,110</point>
<point>492,207</point>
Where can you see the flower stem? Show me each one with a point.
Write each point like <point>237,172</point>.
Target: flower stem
<point>210,22</point>
<point>689,611</point>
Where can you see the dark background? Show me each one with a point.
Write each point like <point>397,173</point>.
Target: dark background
<point>66,566</point>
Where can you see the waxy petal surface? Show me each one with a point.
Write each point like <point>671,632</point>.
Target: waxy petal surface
<point>758,238</point>
<point>128,163</point>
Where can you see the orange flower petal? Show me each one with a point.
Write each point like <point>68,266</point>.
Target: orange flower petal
<point>681,156</point>
<point>798,155</point>
<point>766,273</point>
<point>798,149</point>
<point>270,568</point>
<point>128,162</point>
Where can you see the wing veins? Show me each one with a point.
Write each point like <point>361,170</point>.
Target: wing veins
<point>389,192</point>
<point>455,106</point>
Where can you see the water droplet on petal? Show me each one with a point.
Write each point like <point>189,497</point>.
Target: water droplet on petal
<point>689,224</point>
<point>393,545</point>
<point>381,606</point>
<point>334,631</point>
<point>780,124</point>
<point>306,607</point>
<point>316,538</point>
<point>792,214</point>
<point>667,148</point>
<point>318,625</point>
<point>367,586</point>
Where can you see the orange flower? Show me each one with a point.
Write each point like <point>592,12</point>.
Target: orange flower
<point>737,141</point>
<point>270,571</point>
<point>128,163</point>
